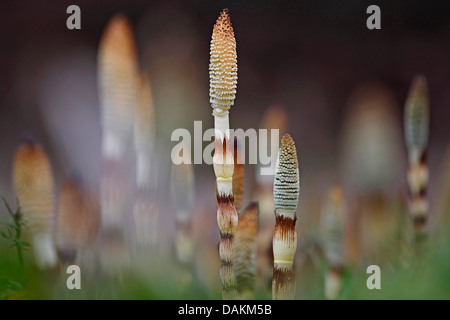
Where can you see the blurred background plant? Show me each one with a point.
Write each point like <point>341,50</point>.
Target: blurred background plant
<point>338,89</point>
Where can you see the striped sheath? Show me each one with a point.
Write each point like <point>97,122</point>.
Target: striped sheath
<point>416,125</point>
<point>34,188</point>
<point>227,217</point>
<point>244,252</point>
<point>117,77</point>
<point>285,192</point>
<point>332,227</point>
<point>222,92</point>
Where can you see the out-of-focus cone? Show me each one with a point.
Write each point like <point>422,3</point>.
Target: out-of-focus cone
<point>34,188</point>
<point>117,76</point>
<point>222,93</point>
<point>416,125</point>
<point>333,221</point>
<point>244,253</point>
<point>78,220</point>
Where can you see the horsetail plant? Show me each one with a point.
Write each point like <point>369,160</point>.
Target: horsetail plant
<point>117,82</point>
<point>285,194</point>
<point>33,185</point>
<point>274,118</point>
<point>416,125</point>
<point>222,92</point>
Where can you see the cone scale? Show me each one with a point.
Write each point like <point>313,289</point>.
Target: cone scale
<point>222,92</point>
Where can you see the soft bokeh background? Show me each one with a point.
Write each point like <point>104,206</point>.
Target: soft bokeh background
<point>308,56</point>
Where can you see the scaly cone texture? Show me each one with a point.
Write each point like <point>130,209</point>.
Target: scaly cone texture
<point>144,131</point>
<point>238,178</point>
<point>182,184</point>
<point>222,66</point>
<point>332,227</point>
<point>417,119</point>
<point>286,191</point>
<point>244,252</point>
<point>117,74</point>
<point>78,219</point>
<point>223,82</point>
<point>416,125</point>
<point>34,188</point>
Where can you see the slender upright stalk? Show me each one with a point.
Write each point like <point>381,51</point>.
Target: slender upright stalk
<point>117,82</point>
<point>144,132</point>
<point>222,91</point>
<point>145,211</point>
<point>274,118</point>
<point>416,122</point>
<point>285,193</point>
